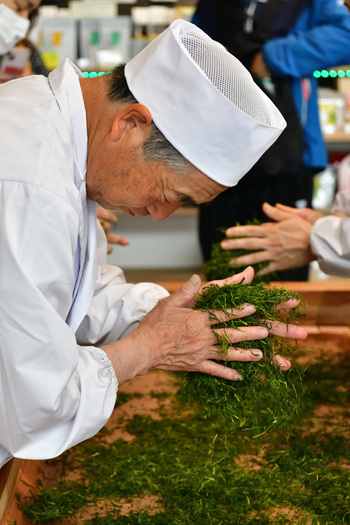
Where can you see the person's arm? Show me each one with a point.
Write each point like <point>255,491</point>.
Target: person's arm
<point>174,336</point>
<point>285,243</point>
<point>55,392</point>
<point>330,238</point>
<point>323,45</point>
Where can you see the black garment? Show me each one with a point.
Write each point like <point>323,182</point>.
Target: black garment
<point>244,25</point>
<point>243,203</point>
<point>37,64</point>
<point>279,176</point>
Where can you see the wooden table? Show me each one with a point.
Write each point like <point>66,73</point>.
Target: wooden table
<point>327,309</point>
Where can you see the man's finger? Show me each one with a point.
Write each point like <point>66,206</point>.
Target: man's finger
<point>106,215</point>
<point>245,277</point>
<point>113,238</point>
<point>242,355</point>
<point>222,316</point>
<point>244,333</point>
<point>186,293</point>
<point>251,258</point>
<point>291,331</point>
<point>215,369</point>
<point>243,231</point>
<point>276,214</point>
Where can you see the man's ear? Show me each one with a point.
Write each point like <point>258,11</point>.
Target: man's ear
<point>133,116</point>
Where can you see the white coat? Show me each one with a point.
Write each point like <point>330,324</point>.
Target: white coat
<point>58,298</point>
<point>330,238</point>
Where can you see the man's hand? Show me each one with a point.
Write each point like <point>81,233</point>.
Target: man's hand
<point>285,242</point>
<point>174,336</point>
<point>107,218</point>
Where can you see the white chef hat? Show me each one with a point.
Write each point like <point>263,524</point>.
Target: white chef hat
<point>204,101</point>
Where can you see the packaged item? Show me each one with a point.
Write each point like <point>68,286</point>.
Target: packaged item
<point>14,62</point>
<point>331,109</point>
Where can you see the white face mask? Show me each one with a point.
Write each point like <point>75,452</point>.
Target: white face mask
<point>12,28</point>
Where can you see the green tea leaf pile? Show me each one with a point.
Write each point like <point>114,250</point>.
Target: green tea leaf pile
<point>267,397</point>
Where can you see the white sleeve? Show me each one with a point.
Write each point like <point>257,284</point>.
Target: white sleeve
<point>54,393</point>
<point>117,306</point>
<point>342,202</point>
<point>330,242</point>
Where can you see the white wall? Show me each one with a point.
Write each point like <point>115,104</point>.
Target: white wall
<point>172,243</point>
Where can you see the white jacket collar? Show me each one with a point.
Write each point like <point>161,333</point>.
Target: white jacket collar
<point>64,82</point>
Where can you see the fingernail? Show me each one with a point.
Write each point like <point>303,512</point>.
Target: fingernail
<point>195,280</point>
<point>249,308</point>
<point>224,245</point>
<point>239,378</point>
<point>257,354</point>
<point>262,332</point>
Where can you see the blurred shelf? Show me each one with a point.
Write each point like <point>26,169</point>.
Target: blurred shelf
<point>337,141</point>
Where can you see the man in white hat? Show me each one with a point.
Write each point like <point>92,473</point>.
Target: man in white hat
<point>71,328</point>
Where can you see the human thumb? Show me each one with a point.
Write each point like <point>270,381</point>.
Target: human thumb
<point>185,294</point>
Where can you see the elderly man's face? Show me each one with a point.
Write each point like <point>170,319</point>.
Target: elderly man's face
<point>140,187</point>
<point>119,177</point>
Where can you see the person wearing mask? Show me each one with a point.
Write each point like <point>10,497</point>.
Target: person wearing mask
<point>281,42</point>
<point>16,20</point>
<point>17,17</point>
<point>295,237</point>
<point>136,139</point>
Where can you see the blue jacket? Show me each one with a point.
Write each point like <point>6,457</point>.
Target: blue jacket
<point>320,39</point>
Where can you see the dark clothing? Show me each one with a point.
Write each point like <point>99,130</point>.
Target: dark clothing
<point>243,26</point>
<point>243,203</point>
<point>37,65</point>
<point>290,34</point>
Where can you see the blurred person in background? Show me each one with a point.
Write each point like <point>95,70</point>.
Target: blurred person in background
<point>281,42</point>
<point>17,18</point>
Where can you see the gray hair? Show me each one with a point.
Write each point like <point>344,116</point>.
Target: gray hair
<point>156,147</point>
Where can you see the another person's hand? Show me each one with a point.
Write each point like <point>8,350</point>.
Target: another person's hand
<point>308,214</point>
<point>258,67</point>
<point>107,218</point>
<point>285,242</point>
<point>5,77</point>
<point>174,336</point>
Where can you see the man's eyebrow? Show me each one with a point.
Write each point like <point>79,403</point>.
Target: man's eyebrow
<point>185,199</point>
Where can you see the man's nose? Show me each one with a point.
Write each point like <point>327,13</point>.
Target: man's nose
<point>162,210</point>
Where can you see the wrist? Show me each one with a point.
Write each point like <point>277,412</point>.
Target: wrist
<point>128,358</point>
